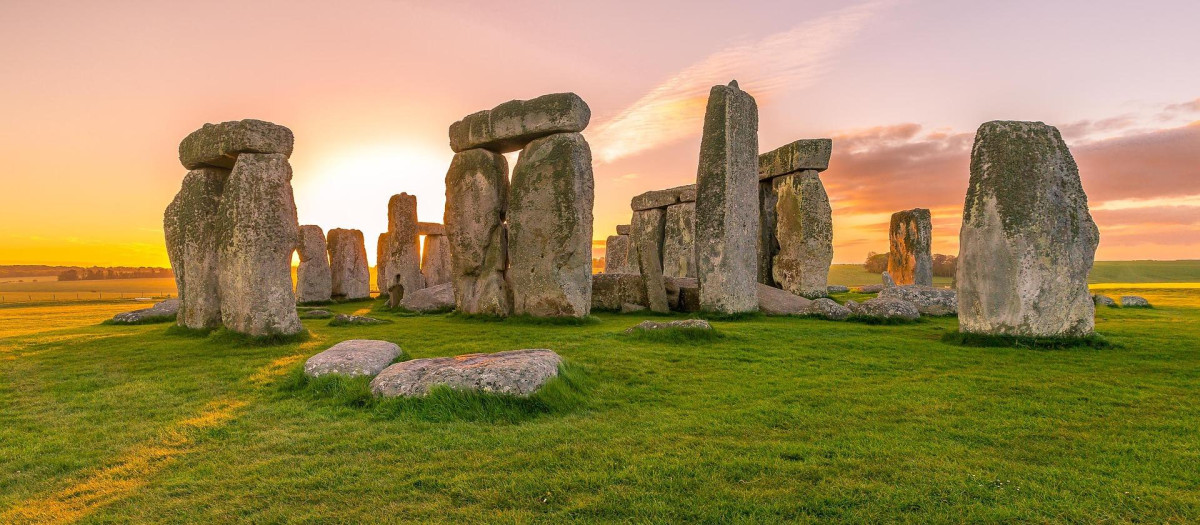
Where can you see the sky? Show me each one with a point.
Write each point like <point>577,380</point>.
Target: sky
<point>95,97</point>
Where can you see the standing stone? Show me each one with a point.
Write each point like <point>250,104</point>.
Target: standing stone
<point>514,124</point>
<point>617,256</point>
<point>260,232</point>
<point>649,229</point>
<point>435,260</point>
<point>476,204</point>
<point>727,218</point>
<point>404,249</point>
<point>550,228</point>
<point>381,257</point>
<point>767,246</point>
<point>348,264</point>
<point>314,279</point>
<point>193,237</point>
<point>804,234</point>
<point>679,255</point>
<point>910,235</point>
<point>1027,241</point>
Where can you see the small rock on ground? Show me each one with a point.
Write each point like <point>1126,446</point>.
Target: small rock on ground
<point>356,357</point>
<point>1103,300</point>
<point>164,311</point>
<point>646,326</point>
<point>1134,301</point>
<point>884,308</point>
<point>344,319</point>
<point>516,372</point>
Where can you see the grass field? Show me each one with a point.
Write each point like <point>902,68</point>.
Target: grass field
<point>778,419</point>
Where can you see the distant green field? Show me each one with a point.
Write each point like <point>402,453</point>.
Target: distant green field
<point>1102,272</point>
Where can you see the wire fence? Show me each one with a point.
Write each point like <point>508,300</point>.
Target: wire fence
<point>11,297</point>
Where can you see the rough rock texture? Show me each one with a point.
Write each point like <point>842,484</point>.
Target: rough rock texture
<point>435,260</point>
<point>649,228</point>
<point>1103,300</point>
<point>476,204</point>
<point>887,279</point>
<point>355,320</point>
<point>883,308</point>
<point>929,300</point>
<point>826,308</point>
<point>647,326</point>
<point>1134,301</point>
<point>663,198</point>
<point>870,288</point>
<point>617,257</point>
<point>193,237</point>
<point>550,228</point>
<point>404,249</point>
<point>1027,240</point>
<point>612,290</point>
<point>161,312</point>
<point>766,245</point>
<point>679,254</point>
<point>315,314</point>
<point>689,293</point>
<point>773,301</point>
<point>260,232</point>
<point>381,256</point>
<point>623,229</point>
<point>430,228</point>
<point>431,299</point>
<point>314,277</point>
<point>806,154</point>
<point>727,217</point>
<point>516,372</point>
<point>219,144</point>
<point>837,288</point>
<point>356,357</point>
<point>514,124</point>
<point>910,235</point>
<point>629,308</point>
<point>803,233</point>
<point>348,264</point>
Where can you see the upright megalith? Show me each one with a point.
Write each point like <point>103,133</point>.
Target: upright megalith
<point>910,237</point>
<point>435,260</point>
<point>514,124</point>
<point>1027,240</point>
<point>795,243</point>
<point>618,256</point>
<point>259,234</point>
<point>648,229</point>
<point>476,204</point>
<point>314,279</point>
<point>550,228</point>
<point>348,264</point>
<point>193,238</point>
<point>381,257</point>
<point>727,217</point>
<point>679,255</point>
<point>220,144</point>
<point>404,249</point>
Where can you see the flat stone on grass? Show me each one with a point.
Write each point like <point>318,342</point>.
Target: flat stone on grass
<point>356,357</point>
<point>355,320</point>
<point>161,312</point>
<point>649,326</point>
<point>1134,301</point>
<point>516,372</point>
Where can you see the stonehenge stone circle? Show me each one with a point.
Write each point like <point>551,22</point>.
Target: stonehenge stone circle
<point>220,144</point>
<point>403,262</point>
<point>382,244</point>
<point>1027,240</point>
<point>727,216</point>
<point>193,237</point>
<point>351,275</point>
<point>514,124</point>
<point>516,372</point>
<point>617,251</point>
<point>260,232</point>
<point>550,228</point>
<point>355,357</point>
<point>435,260</point>
<point>803,234</point>
<point>649,228</point>
<point>314,278</point>
<point>910,259</point>
<point>476,204</point>
<point>679,255</point>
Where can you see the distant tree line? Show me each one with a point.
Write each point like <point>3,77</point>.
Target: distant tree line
<point>96,273</point>
<point>943,265</point>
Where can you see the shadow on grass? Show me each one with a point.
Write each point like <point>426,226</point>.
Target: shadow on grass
<point>563,394</point>
<point>874,320</point>
<point>154,319</point>
<point>718,316</point>
<point>524,319</point>
<point>1095,341</point>
<point>194,333</point>
<point>675,335</point>
<point>231,338</point>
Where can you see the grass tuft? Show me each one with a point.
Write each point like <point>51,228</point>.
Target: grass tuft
<point>1096,341</point>
<point>675,335</point>
<point>526,319</point>
<point>154,319</point>
<point>874,320</point>
<point>231,338</point>
<point>374,322</point>
<point>720,316</point>
<point>194,333</point>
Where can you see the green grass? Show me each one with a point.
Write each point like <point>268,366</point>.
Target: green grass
<point>1052,343</point>
<point>781,419</point>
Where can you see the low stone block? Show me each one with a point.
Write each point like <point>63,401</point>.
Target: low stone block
<point>885,309</point>
<point>1134,301</point>
<point>356,357</point>
<point>773,301</point>
<point>929,300</point>
<point>162,312</point>
<point>516,372</point>
<point>434,298</point>
<point>650,326</point>
<point>623,229</point>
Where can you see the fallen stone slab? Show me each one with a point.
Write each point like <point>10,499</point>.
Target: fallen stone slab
<point>869,288</point>
<point>220,144</point>
<point>826,308</point>
<point>884,309</point>
<point>837,288</point>
<point>516,372</point>
<point>434,298</point>
<point>355,320</point>
<point>356,357</point>
<point>806,154</point>
<point>629,308</point>
<point>929,300</point>
<point>316,314</point>
<point>1134,301</point>
<point>514,124</point>
<point>663,198</point>
<point>773,301</point>
<point>161,312</point>
<point>689,324</point>
<point>1103,300</point>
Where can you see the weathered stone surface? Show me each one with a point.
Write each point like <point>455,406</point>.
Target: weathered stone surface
<point>193,237</point>
<point>162,312</point>
<point>689,293</point>
<point>617,255</point>
<point>550,228</point>
<point>430,228</point>
<point>883,308</point>
<point>476,204</point>
<point>766,246</point>
<point>314,277</point>
<point>689,324</point>
<point>870,288</point>
<point>315,314</point>
<point>1134,301</point>
<point>431,299</point>
<point>727,218</point>
<point>623,229</point>
<point>826,308</point>
<point>679,242</point>
<point>219,144</point>
<point>806,154</point>
<point>260,232</point>
<point>516,372</point>
<point>929,300</point>
<point>355,320</point>
<point>611,290</point>
<point>649,228</point>
<point>356,357</point>
<point>773,301</point>
<point>351,276</point>
<point>837,288</point>
<point>663,198</point>
<point>404,249</point>
<point>887,280</point>
<point>435,260</point>
<point>514,124</point>
<point>382,244</point>
<point>910,259</point>
<point>1027,241</point>
<point>803,233</point>
<point>1103,300</point>
<point>629,308</point>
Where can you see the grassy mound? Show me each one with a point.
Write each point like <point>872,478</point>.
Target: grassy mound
<point>1096,341</point>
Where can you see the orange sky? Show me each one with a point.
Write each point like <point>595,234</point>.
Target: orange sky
<point>96,97</point>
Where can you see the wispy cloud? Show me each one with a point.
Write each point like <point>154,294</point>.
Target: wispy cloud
<point>674,109</point>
